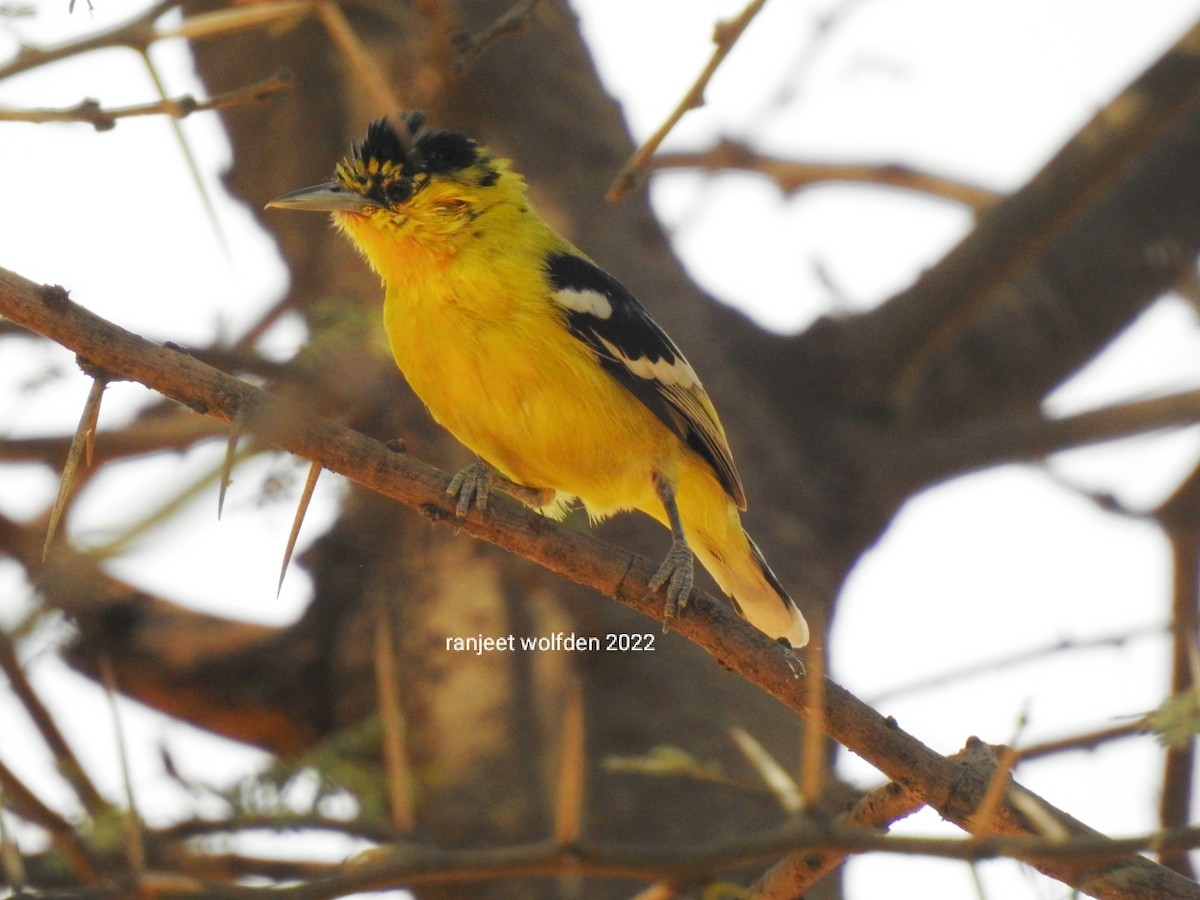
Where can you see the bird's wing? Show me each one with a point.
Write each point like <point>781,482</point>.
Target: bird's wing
<point>604,315</point>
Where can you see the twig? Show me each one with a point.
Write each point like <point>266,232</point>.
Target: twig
<point>149,434</point>
<point>21,800</point>
<point>1020,437</point>
<point>189,158</point>
<point>1089,741</point>
<point>725,36</point>
<point>136,34</point>
<point>363,66</point>
<point>135,841</point>
<point>792,176</point>
<point>471,46</point>
<point>1180,516</point>
<point>176,501</point>
<point>801,869</point>
<point>220,22</point>
<point>68,762</point>
<point>91,112</point>
<point>999,664</point>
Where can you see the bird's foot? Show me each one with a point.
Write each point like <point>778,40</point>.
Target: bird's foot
<point>678,573</point>
<point>471,484</point>
<point>475,483</point>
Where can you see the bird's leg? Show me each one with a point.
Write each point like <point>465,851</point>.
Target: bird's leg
<point>677,571</point>
<point>532,497</point>
<point>475,483</point>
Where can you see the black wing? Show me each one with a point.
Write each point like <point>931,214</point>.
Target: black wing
<point>631,347</point>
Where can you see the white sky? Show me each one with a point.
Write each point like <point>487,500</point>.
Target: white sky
<point>976,569</point>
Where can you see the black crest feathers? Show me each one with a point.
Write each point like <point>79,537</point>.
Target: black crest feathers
<point>414,148</point>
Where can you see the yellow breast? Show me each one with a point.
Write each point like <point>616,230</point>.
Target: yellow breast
<point>501,372</point>
<point>474,329</point>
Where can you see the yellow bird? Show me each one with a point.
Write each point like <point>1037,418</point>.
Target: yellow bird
<point>539,361</point>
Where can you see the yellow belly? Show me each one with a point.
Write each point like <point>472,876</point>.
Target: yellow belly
<point>532,401</point>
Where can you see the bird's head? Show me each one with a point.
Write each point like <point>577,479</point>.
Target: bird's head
<point>406,183</point>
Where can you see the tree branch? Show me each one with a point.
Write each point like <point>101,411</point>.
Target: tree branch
<point>407,865</point>
<point>725,36</point>
<point>1022,437</point>
<point>136,34</point>
<point>953,787</point>
<point>1125,182</point>
<point>1180,517</point>
<point>792,176</point>
<point>102,119</point>
<point>801,869</point>
<point>472,46</point>
<point>412,864</point>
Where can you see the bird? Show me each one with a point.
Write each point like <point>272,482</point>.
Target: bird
<point>541,363</point>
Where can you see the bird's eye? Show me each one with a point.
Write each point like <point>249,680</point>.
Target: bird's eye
<point>399,191</point>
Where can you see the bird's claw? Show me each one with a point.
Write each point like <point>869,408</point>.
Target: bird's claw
<point>471,484</point>
<point>677,572</point>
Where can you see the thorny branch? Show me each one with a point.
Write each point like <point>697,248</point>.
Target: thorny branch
<point>953,787</point>
<point>103,119</point>
<point>813,845</point>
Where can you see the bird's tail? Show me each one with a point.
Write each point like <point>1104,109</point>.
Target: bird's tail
<point>742,573</point>
<point>714,531</point>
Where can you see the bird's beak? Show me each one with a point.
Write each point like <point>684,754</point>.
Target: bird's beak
<point>331,197</point>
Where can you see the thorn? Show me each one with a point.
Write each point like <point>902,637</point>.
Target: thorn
<point>81,447</point>
<point>814,748</point>
<point>89,444</point>
<point>189,158</point>
<point>361,64</point>
<point>572,766</point>
<point>314,471</point>
<point>135,846</point>
<point>774,776</point>
<point>235,432</point>
<point>397,763</point>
